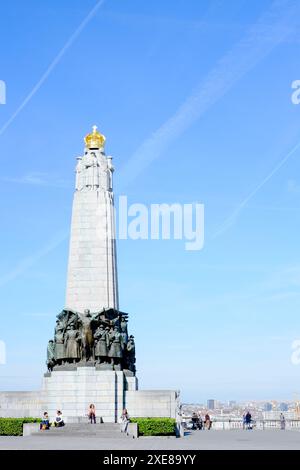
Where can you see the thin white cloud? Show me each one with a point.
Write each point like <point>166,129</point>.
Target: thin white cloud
<point>272,285</point>
<point>38,314</point>
<point>38,179</point>
<point>293,187</point>
<point>286,277</point>
<point>26,263</point>
<point>231,219</point>
<point>270,30</point>
<point>205,24</point>
<point>278,338</point>
<point>52,66</point>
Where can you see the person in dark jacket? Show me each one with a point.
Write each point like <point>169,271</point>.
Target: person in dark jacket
<point>248,419</point>
<point>45,423</point>
<point>196,421</point>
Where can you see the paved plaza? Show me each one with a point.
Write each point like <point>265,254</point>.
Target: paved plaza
<point>196,440</point>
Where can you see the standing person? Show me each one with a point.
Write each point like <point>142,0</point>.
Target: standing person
<point>92,413</point>
<point>194,420</point>
<point>45,423</point>
<point>59,421</point>
<point>282,421</point>
<point>244,420</point>
<point>207,422</point>
<point>248,419</point>
<point>200,422</point>
<point>124,421</point>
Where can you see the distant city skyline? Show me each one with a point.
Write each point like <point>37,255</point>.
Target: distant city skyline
<point>260,410</point>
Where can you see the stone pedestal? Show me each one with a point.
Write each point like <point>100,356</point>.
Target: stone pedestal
<point>72,391</point>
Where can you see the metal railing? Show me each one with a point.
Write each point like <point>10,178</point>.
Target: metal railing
<point>237,423</point>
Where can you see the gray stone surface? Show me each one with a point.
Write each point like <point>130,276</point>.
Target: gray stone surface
<point>73,391</point>
<point>22,404</point>
<point>82,429</point>
<point>30,428</point>
<point>110,391</point>
<point>152,403</point>
<point>198,440</point>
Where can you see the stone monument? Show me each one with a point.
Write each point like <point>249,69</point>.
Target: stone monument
<point>91,357</point>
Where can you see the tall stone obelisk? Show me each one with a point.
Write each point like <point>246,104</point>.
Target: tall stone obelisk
<point>92,281</point>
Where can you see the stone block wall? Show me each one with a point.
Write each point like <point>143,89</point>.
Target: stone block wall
<point>151,403</point>
<point>72,391</point>
<point>22,404</point>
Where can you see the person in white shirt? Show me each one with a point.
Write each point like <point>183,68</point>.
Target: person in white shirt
<point>58,421</point>
<point>124,421</point>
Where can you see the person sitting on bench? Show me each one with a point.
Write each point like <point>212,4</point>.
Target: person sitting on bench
<point>59,422</point>
<point>45,423</point>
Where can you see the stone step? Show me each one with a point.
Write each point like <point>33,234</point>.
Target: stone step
<point>89,425</point>
<point>85,420</point>
<point>104,431</point>
<point>110,435</point>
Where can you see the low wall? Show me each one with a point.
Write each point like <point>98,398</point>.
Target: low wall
<point>30,428</point>
<point>22,404</point>
<point>151,403</point>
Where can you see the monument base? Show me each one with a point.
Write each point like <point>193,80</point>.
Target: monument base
<point>72,391</point>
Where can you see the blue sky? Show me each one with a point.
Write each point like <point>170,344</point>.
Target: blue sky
<point>195,101</point>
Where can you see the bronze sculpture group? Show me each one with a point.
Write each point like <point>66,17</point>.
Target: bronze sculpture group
<point>99,339</point>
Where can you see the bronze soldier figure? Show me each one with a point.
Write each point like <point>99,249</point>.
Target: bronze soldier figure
<point>102,343</point>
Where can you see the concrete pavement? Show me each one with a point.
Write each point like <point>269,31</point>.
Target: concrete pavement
<point>196,440</point>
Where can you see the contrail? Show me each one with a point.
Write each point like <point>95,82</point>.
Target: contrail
<point>232,217</point>
<point>269,31</point>
<point>26,263</point>
<point>271,28</point>
<point>53,64</point>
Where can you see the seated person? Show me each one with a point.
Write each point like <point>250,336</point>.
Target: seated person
<point>58,421</point>
<point>45,424</point>
<point>92,413</point>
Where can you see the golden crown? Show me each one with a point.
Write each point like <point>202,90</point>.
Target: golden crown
<point>95,140</point>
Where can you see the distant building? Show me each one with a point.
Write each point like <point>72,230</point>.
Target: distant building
<point>231,403</point>
<point>283,407</point>
<point>268,407</point>
<point>211,404</point>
